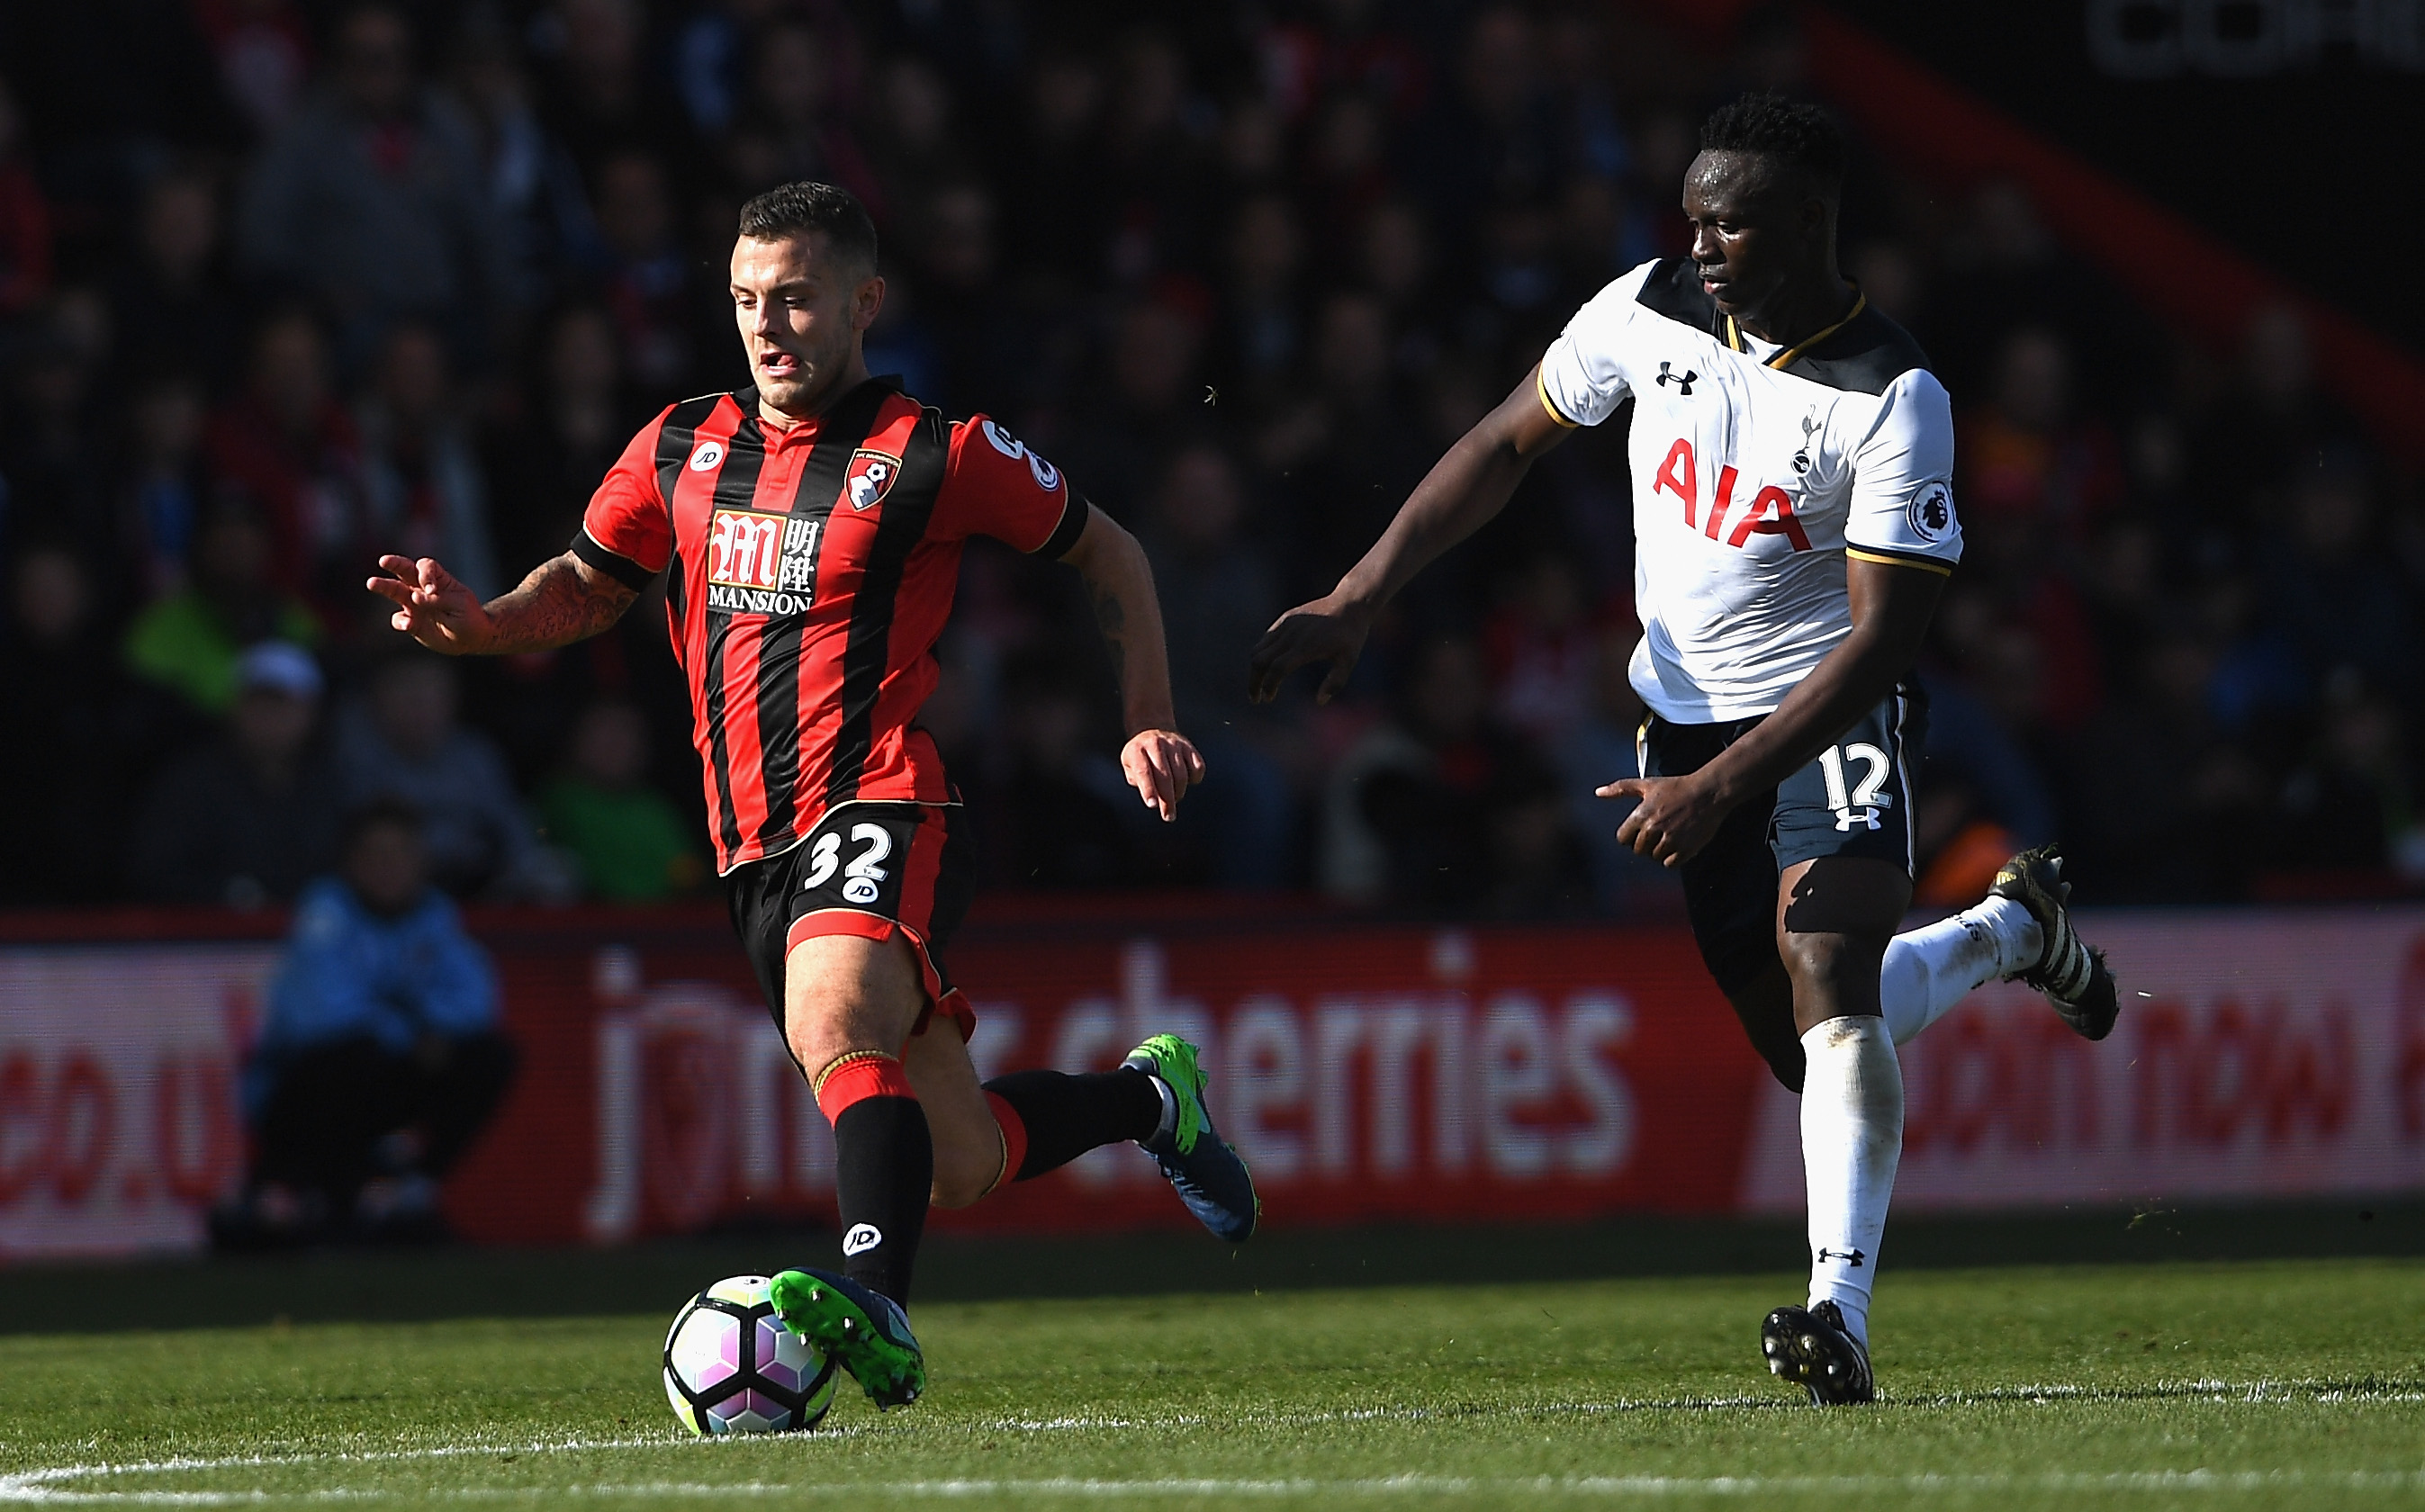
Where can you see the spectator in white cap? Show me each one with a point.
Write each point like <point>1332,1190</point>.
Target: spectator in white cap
<point>248,819</point>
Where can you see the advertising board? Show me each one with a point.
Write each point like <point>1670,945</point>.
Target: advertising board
<point>1369,1073</point>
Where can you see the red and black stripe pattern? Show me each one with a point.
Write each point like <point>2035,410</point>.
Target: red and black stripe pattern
<point>806,589</point>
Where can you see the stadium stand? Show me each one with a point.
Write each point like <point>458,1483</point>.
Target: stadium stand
<point>405,276</point>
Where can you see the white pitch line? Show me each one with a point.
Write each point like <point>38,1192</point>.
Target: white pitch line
<point>1603,1486</point>
<point>53,1484</point>
<point>41,1485</point>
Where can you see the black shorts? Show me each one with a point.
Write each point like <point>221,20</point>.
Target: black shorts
<point>867,869</point>
<point>1853,800</point>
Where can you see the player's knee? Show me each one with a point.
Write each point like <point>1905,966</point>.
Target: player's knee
<point>815,1046</point>
<point>963,1179</point>
<point>1761,993</point>
<point>820,1029</point>
<point>955,1191</point>
<point>1833,968</point>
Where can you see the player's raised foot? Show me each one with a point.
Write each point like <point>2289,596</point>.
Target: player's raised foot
<point>2070,972</point>
<point>863,1329</point>
<point>1811,1347</point>
<point>1209,1175</point>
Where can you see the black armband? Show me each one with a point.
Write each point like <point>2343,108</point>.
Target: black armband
<point>1065,534</point>
<point>622,569</point>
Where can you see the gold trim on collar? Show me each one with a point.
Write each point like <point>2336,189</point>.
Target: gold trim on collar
<point>1735,340</point>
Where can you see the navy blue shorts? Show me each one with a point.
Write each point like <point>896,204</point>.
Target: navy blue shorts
<point>1853,800</point>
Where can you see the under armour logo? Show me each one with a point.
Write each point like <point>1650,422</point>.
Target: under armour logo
<point>1683,381</point>
<point>866,1236</point>
<point>1850,1257</point>
<point>1847,818</point>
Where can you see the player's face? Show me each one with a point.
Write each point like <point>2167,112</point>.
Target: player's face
<point>1752,232</point>
<point>801,311</point>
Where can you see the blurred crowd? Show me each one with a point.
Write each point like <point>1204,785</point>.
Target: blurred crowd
<point>285,284</point>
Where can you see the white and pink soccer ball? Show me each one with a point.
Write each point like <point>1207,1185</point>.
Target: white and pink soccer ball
<point>733,1367</point>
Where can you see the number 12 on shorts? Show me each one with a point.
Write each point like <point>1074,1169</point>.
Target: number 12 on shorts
<point>862,878</point>
<point>1862,803</point>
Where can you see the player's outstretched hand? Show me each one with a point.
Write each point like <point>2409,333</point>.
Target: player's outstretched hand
<point>1162,764</point>
<point>1677,816</point>
<point>1322,631</point>
<point>432,605</point>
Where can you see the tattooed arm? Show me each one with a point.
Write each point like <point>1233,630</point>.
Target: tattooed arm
<point>1159,762</point>
<point>564,600</point>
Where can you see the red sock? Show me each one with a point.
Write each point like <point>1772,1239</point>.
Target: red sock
<point>1014,1136</point>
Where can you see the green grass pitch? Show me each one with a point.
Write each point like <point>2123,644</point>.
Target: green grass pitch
<point>2242,1385</point>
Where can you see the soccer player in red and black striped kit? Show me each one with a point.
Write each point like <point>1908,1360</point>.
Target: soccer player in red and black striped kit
<point>811,528</point>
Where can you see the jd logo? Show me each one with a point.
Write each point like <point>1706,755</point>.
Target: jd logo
<point>1683,381</point>
<point>866,1236</point>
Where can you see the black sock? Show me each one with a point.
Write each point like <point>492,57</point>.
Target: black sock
<point>884,1172</point>
<point>1067,1115</point>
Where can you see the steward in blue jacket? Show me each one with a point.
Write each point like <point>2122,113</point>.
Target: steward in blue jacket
<point>380,1058</point>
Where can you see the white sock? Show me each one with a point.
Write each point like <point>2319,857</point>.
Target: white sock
<point>1931,969</point>
<point>1852,1138</point>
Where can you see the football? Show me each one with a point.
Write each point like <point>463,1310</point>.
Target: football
<point>733,1367</point>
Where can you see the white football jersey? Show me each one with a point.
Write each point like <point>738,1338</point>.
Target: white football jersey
<point>1753,482</point>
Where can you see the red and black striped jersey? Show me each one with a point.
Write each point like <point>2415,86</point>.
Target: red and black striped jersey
<point>813,566</point>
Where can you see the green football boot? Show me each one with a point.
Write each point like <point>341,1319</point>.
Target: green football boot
<point>1207,1173</point>
<point>861,1329</point>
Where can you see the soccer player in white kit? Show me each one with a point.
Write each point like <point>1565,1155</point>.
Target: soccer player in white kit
<point>1793,462</point>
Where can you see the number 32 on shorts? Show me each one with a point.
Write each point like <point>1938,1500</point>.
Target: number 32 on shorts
<point>1861,803</point>
<point>863,880</point>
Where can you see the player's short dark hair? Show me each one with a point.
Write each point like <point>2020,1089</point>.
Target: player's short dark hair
<point>798,209</point>
<point>1800,137</point>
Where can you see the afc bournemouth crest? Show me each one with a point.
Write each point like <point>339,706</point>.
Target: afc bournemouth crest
<point>869,479</point>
